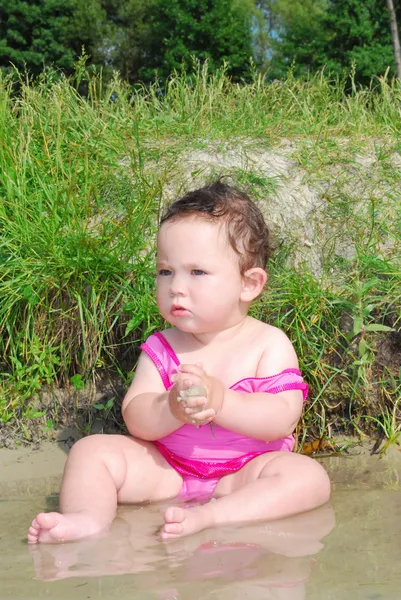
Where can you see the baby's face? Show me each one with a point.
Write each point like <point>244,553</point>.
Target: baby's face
<point>199,283</point>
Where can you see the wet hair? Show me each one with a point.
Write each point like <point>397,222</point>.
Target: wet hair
<point>247,231</point>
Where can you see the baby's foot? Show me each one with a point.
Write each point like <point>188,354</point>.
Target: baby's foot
<point>53,528</point>
<point>185,521</point>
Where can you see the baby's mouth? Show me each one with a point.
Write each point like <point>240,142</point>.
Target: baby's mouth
<point>178,310</point>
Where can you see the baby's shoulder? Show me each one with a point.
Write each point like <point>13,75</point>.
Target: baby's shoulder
<point>276,351</point>
<point>269,335</point>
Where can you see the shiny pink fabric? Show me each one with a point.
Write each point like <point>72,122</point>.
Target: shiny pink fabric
<point>210,452</point>
<point>205,469</point>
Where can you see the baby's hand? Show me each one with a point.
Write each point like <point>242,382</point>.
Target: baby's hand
<point>188,401</point>
<point>213,386</point>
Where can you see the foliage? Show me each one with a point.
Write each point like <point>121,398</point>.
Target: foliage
<point>142,38</point>
<point>128,37</point>
<point>71,233</point>
<point>36,35</point>
<point>136,37</point>
<point>81,181</point>
<point>214,30</point>
<point>335,34</point>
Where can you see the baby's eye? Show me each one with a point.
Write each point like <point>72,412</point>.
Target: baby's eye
<point>164,272</point>
<point>197,272</point>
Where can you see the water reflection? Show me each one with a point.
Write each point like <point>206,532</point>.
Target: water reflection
<point>274,559</point>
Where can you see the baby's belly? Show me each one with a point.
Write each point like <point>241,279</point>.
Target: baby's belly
<point>217,443</point>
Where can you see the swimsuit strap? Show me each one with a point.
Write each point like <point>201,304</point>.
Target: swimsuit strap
<point>166,362</point>
<point>163,357</point>
<point>288,379</point>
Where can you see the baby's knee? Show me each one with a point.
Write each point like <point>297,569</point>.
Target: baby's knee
<point>308,475</point>
<point>96,444</point>
<point>325,481</point>
<point>319,480</point>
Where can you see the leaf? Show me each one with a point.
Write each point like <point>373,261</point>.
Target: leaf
<point>368,309</point>
<point>362,347</point>
<point>378,327</point>
<point>77,382</point>
<point>29,294</point>
<point>358,324</point>
<point>369,284</point>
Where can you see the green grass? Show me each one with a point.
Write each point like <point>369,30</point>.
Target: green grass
<point>82,181</point>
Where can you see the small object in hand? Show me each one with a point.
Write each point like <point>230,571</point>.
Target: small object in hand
<point>192,391</point>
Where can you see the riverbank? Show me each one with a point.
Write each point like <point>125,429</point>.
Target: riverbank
<point>83,180</point>
<point>36,470</point>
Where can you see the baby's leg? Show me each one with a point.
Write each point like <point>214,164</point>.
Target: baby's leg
<point>272,486</point>
<point>101,471</point>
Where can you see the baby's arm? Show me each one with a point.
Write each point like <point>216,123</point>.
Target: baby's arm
<point>145,408</point>
<point>149,411</point>
<point>262,415</point>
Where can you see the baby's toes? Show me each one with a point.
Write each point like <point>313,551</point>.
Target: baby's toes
<point>35,525</point>
<point>32,535</point>
<point>175,528</point>
<point>174,514</point>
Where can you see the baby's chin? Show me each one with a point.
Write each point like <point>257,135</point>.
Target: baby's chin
<point>186,324</point>
<point>197,326</point>
<point>186,327</point>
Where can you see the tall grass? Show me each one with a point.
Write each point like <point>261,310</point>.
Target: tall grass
<point>81,184</point>
<point>76,231</point>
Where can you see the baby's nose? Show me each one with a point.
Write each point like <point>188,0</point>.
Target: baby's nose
<point>177,286</point>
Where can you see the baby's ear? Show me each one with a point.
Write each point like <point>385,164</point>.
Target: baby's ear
<point>253,282</point>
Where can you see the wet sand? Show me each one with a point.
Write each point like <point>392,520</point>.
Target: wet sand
<point>349,549</point>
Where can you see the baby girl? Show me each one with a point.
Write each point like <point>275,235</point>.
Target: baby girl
<point>215,397</point>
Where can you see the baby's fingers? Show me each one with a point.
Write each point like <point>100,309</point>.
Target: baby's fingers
<point>184,380</point>
<point>196,370</point>
<point>200,417</point>
<point>194,403</point>
<point>193,411</point>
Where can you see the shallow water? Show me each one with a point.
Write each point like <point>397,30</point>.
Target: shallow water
<point>351,549</point>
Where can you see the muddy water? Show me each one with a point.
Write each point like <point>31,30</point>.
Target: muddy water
<point>351,549</point>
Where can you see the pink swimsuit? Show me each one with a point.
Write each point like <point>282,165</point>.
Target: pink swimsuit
<point>203,455</point>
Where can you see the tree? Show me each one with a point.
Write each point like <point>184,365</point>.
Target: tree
<point>394,36</point>
<point>342,33</point>
<point>213,30</point>
<point>297,34</point>
<point>128,35</point>
<point>35,34</point>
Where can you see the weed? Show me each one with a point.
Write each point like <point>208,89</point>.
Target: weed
<point>82,180</point>
<point>388,423</point>
<point>105,408</point>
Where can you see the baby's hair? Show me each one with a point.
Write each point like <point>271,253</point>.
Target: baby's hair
<point>246,228</point>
